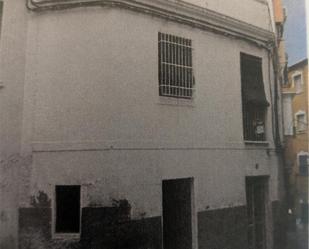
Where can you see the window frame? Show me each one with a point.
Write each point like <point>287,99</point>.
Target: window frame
<point>297,114</point>
<point>184,90</point>
<point>263,110</point>
<point>61,235</point>
<point>294,75</point>
<point>302,153</point>
<point>260,184</point>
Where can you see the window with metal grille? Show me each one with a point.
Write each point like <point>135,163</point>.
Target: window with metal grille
<point>254,102</point>
<point>254,123</point>
<point>176,77</point>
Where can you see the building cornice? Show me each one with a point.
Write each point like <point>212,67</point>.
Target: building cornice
<point>179,11</point>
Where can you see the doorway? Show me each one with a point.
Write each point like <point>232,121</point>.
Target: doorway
<point>177,213</point>
<point>256,193</point>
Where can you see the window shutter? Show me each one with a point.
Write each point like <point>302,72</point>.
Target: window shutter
<point>252,81</point>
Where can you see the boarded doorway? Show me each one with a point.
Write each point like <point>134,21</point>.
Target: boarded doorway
<point>177,213</point>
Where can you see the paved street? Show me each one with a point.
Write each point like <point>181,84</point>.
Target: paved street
<point>298,239</point>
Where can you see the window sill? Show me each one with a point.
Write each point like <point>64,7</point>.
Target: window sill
<point>262,1</point>
<point>66,236</point>
<point>175,101</point>
<point>264,143</point>
<point>301,132</point>
<point>299,92</point>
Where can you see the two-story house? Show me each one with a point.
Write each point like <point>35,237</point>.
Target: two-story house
<point>139,124</point>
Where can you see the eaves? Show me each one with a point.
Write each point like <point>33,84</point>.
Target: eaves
<point>181,12</point>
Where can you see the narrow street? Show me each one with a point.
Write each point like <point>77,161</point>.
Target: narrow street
<point>298,239</point>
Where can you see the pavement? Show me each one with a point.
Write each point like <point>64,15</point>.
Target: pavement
<point>298,238</point>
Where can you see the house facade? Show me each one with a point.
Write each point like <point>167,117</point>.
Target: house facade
<point>297,141</point>
<point>134,124</point>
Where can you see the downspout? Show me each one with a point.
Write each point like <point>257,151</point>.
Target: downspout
<point>280,148</point>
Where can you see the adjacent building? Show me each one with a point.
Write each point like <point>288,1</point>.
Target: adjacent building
<point>139,124</point>
<point>297,140</point>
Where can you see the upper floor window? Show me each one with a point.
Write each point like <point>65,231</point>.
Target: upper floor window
<point>303,164</point>
<point>297,82</point>
<point>254,102</point>
<point>301,121</point>
<point>176,77</point>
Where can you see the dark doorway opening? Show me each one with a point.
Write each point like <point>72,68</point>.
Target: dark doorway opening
<point>256,193</point>
<point>67,209</point>
<point>177,213</point>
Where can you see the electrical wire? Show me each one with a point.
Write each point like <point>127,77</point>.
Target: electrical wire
<point>54,5</point>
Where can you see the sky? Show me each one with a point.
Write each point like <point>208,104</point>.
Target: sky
<point>295,30</point>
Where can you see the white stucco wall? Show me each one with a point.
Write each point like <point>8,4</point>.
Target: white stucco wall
<point>12,71</point>
<point>219,176</point>
<point>96,118</point>
<point>255,12</point>
<point>96,79</point>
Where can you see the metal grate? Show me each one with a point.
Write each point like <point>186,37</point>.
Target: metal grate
<point>176,77</point>
<point>253,121</point>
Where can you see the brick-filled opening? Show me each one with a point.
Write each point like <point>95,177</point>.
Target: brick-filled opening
<point>67,209</point>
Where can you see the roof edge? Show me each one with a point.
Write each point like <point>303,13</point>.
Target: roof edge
<point>301,63</point>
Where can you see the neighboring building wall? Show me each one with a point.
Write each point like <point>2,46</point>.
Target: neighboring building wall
<point>298,144</point>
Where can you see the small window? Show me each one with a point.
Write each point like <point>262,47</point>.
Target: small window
<point>303,165</point>
<point>301,121</point>
<point>254,102</point>
<point>67,209</point>
<point>176,77</point>
<point>297,82</point>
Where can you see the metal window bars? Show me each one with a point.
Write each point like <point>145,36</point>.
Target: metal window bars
<point>176,77</point>
<point>254,122</point>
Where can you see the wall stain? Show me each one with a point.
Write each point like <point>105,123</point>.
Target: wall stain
<point>40,201</point>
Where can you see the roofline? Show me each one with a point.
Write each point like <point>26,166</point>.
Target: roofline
<point>301,63</point>
<point>176,11</point>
